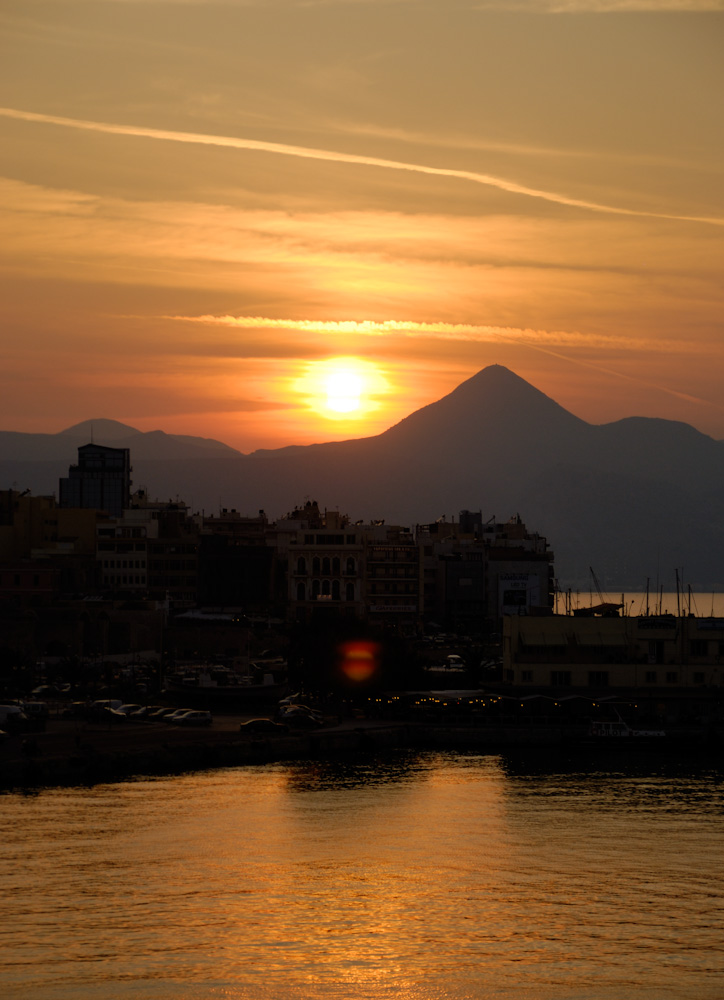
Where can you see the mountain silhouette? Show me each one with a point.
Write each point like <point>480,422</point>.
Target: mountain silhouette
<point>637,498</point>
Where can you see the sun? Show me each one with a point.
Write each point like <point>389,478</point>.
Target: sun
<point>344,391</point>
<point>343,388</point>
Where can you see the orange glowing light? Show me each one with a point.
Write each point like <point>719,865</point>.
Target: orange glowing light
<point>343,388</point>
<point>359,660</point>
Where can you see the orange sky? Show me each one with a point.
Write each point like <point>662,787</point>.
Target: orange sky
<point>208,208</point>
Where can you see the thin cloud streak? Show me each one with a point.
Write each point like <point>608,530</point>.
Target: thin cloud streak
<point>637,380</point>
<point>600,6</point>
<point>305,152</point>
<point>437,331</point>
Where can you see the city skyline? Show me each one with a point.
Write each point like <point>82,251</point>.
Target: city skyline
<point>286,222</point>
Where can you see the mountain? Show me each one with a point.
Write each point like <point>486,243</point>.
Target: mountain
<point>636,498</point>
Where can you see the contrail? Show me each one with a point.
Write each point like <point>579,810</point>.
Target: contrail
<point>538,340</point>
<point>477,333</point>
<point>308,153</point>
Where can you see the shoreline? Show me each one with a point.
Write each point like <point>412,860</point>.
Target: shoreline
<point>69,755</point>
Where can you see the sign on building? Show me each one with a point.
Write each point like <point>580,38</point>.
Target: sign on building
<point>517,593</point>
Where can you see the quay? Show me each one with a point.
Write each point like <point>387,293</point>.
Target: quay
<point>72,754</point>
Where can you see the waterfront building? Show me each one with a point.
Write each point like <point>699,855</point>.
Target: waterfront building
<point>648,654</point>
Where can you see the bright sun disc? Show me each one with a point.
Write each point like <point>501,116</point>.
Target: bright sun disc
<point>344,391</point>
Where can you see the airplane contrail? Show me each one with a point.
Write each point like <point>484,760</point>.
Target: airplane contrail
<point>308,153</point>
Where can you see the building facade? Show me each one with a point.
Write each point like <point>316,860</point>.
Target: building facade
<point>101,480</point>
<point>643,653</point>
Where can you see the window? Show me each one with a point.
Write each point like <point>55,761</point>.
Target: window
<point>335,590</point>
<point>301,565</point>
<point>650,677</point>
<point>325,566</point>
<point>315,566</point>
<point>527,676</point>
<point>699,677</point>
<point>598,678</point>
<point>315,589</point>
<point>335,566</point>
<point>300,591</point>
<point>671,677</point>
<point>699,647</point>
<point>349,592</point>
<point>560,678</point>
<point>350,566</point>
<point>325,588</point>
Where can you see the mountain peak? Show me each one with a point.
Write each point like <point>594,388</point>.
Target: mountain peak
<point>100,430</point>
<point>493,402</point>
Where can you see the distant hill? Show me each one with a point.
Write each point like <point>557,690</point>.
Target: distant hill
<point>634,499</point>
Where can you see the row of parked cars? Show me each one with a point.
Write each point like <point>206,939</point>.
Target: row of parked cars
<point>114,710</point>
<point>291,715</point>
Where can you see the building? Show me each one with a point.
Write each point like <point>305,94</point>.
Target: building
<point>338,568</point>
<point>45,551</point>
<point>237,565</point>
<point>393,578</point>
<point>323,557</point>
<point>101,480</point>
<point>476,572</point>
<point>150,551</point>
<point>657,653</point>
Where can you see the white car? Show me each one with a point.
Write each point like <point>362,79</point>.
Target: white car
<point>193,718</point>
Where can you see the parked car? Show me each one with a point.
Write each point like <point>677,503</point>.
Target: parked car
<point>100,704</point>
<point>160,713</point>
<point>175,714</point>
<point>35,709</point>
<point>295,710</point>
<point>129,709</point>
<point>265,727</point>
<point>147,711</point>
<point>193,717</point>
<point>300,718</point>
<point>13,718</point>
<point>108,714</point>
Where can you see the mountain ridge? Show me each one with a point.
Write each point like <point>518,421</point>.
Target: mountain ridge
<point>627,497</point>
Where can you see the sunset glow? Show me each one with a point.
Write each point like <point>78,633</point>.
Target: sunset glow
<point>268,223</point>
<point>344,390</point>
<point>347,389</point>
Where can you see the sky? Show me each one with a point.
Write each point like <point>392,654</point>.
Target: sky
<point>277,222</point>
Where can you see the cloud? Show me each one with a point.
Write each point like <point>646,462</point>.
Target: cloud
<point>599,6</point>
<point>440,331</point>
<point>519,6</point>
<point>305,152</point>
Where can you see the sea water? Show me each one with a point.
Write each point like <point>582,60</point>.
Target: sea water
<point>433,876</point>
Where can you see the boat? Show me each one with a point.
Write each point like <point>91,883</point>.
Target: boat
<point>620,730</point>
<point>204,682</point>
<point>612,732</point>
